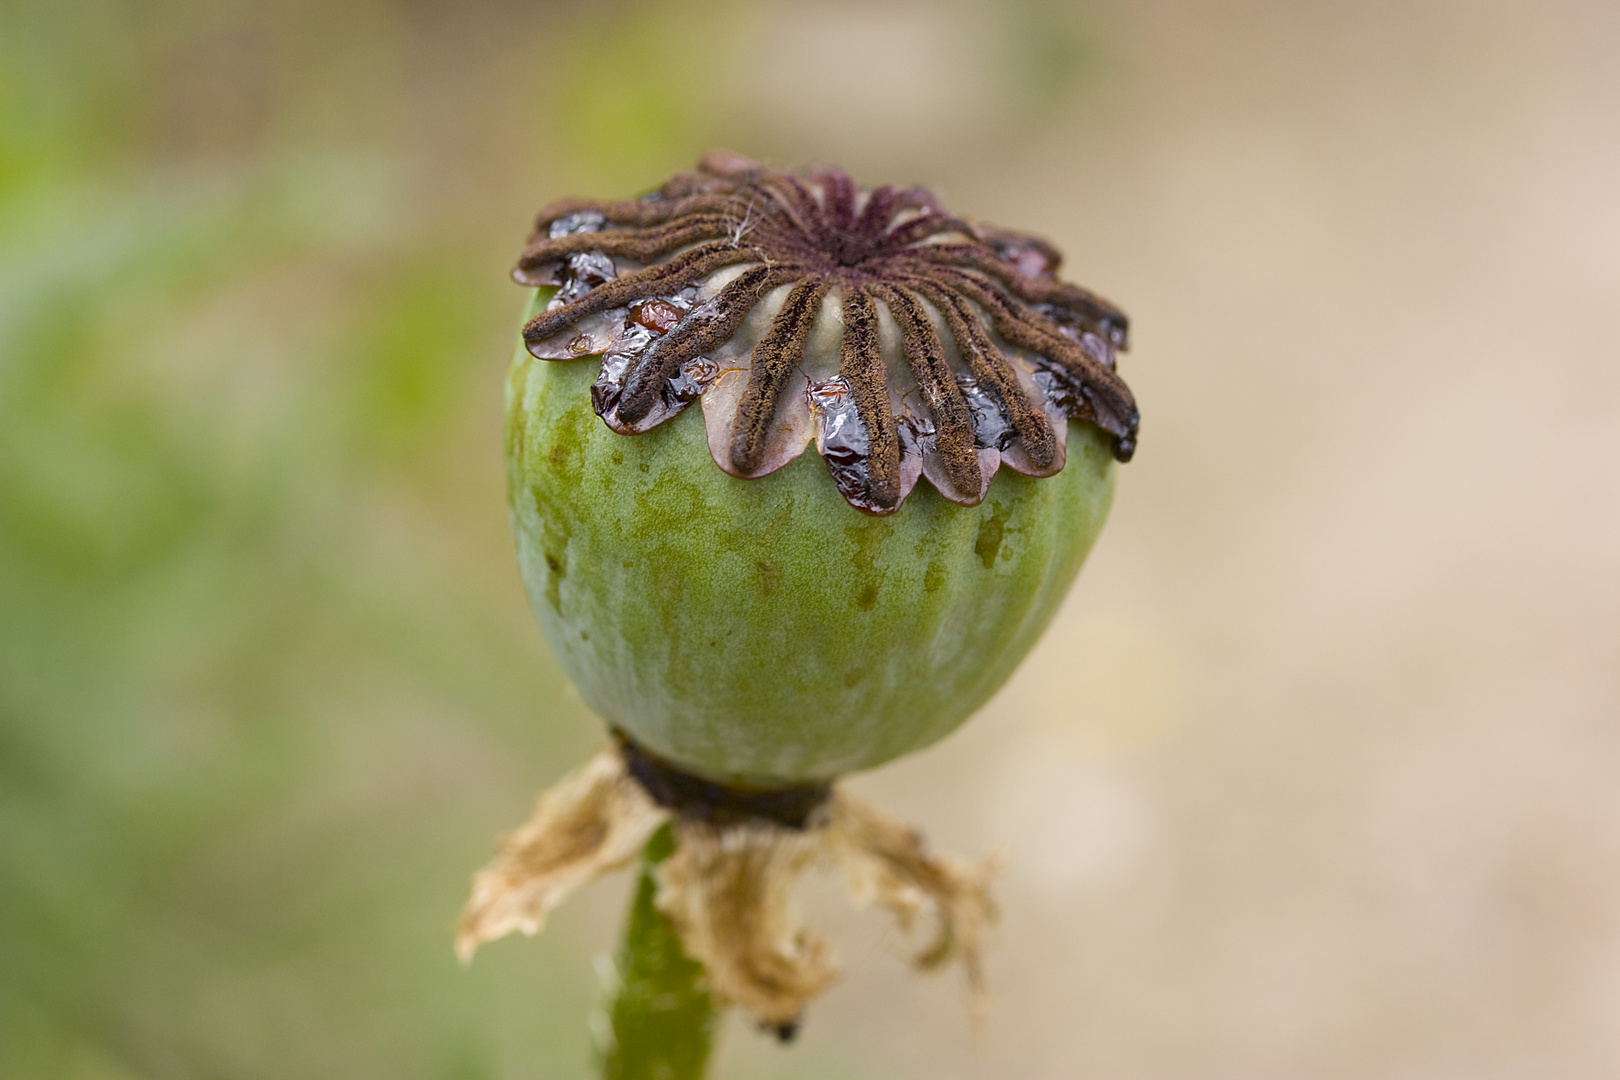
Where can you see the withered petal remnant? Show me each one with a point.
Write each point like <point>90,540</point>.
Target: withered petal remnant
<point>728,888</point>
<point>907,342</point>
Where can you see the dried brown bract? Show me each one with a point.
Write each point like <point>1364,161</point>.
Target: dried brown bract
<point>728,888</point>
<point>594,821</point>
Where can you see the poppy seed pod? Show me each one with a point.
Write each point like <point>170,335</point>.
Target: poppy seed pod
<point>725,604</point>
<point>753,620</point>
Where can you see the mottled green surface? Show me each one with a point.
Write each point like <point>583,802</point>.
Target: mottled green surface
<point>762,630</point>
<point>661,1022</point>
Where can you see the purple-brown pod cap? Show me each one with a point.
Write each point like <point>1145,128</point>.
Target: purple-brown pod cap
<point>904,341</point>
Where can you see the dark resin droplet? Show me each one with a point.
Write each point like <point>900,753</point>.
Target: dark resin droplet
<point>990,427</point>
<point>690,381</point>
<point>659,316</point>
<point>1055,384</point>
<point>580,274</point>
<point>609,385</point>
<point>845,444</point>
<point>583,222</point>
<point>1075,401</point>
<point>645,323</point>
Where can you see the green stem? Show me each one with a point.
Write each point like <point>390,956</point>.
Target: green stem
<point>662,1020</point>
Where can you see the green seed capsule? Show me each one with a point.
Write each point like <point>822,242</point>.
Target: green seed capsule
<point>745,622</point>
<point>754,620</point>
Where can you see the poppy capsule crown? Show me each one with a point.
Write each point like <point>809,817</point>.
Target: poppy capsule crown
<point>906,342</point>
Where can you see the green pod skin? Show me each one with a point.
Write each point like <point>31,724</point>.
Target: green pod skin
<point>763,633</point>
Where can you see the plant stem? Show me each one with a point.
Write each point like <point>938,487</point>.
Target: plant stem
<point>662,1020</point>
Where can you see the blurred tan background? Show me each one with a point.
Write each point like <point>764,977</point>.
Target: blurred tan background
<point>1317,775</point>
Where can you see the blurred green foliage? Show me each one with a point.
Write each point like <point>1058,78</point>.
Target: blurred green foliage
<point>267,689</point>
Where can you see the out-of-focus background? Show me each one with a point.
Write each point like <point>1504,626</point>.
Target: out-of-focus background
<point>1317,774</point>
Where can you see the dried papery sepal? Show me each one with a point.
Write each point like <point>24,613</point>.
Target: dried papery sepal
<point>986,351</point>
<point>592,822</point>
<point>888,863</point>
<point>728,891</point>
<point>728,887</point>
